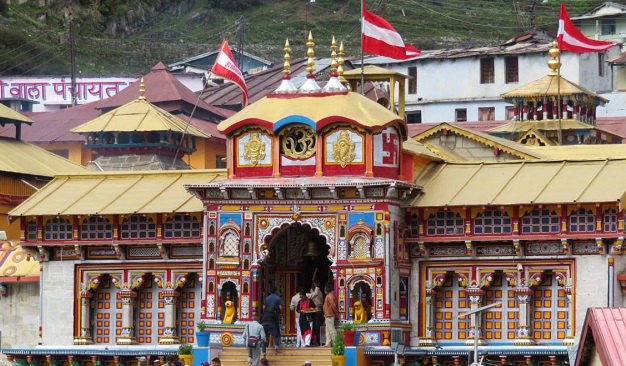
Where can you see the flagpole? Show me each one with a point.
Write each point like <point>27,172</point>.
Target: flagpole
<point>558,99</point>
<point>362,67</point>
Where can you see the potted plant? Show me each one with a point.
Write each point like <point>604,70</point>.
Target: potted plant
<point>338,349</point>
<point>349,332</point>
<point>185,353</point>
<point>202,336</point>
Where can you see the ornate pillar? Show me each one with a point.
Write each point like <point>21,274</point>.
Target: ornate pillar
<point>523,294</point>
<point>128,327</point>
<point>170,299</point>
<point>85,318</point>
<point>436,280</point>
<point>564,280</point>
<point>475,295</point>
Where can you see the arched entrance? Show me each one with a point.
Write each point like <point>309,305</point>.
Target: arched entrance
<point>297,254</point>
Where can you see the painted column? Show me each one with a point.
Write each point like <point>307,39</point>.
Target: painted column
<point>170,299</point>
<point>476,328</point>
<point>429,319</point>
<point>85,319</point>
<point>523,295</point>
<point>128,312</point>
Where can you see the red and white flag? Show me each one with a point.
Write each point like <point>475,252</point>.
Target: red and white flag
<point>571,39</point>
<point>379,38</point>
<point>226,67</point>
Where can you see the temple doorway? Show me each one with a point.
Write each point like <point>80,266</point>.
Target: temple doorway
<point>297,255</point>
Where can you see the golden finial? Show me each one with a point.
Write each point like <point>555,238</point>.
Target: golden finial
<point>287,58</point>
<point>142,90</point>
<point>310,53</point>
<point>333,56</point>
<point>554,64</point>
<point>340,61</point>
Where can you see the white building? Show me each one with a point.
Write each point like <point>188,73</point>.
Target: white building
<point>465,84</point>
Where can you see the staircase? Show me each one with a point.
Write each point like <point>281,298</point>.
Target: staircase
<point>238,356</point>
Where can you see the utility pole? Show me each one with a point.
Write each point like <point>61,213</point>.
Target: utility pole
<point>72,63</point>
<point>477,327</point>
<point>241,30</point>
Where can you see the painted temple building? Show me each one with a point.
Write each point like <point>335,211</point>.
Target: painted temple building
<point>325,184</point>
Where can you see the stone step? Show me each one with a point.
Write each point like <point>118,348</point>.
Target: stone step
<point>238,356</point>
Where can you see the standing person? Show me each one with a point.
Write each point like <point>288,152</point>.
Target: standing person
<point>216,362</point>
<point>254,329</point>
<point>294,307</point>
<point>331,313</point>
<point>306,323</point>
<point>317,297</point>
<point>274,303</point>
<point>169,361</point>
<point>269,321</point>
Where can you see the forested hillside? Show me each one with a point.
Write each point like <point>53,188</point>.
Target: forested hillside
<point>130,36</point>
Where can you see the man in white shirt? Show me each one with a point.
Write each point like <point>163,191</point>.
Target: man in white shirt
<point>293,305</point>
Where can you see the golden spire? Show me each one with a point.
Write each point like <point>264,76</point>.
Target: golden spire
<point>287,58</point>
<point>286,86</point>
<point>310,53</point>
<point>333,56</point>
<point>340,62</point>
<point>333,85</point>
<point>310,85</point>
<point>142,90</point>
<point>555,63</point>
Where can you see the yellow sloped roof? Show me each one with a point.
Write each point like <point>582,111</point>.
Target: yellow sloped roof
<point>14,263</point>
<point>512,183</point>
<point>274,112</point>
<point>582,152</point>
<point>8,114</point>
<point>508,146</point>
<point>373,71</point>
<point>138,115</point>
<point>548,86</point>
<point>20,157</point>
<point>419,149</point>
<point>118,193</point>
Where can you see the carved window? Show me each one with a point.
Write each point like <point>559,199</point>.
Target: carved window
<point>58,229</point>
<point>445,223</point>
<point>360,247</point>
<point>31,231</point>
<point>138,227</point>
<point>540,221</point>
<point>609,221</point>
<point>229,244</point>
<point>582,221</point>
<point>493,222</point>
<point>182,226</point>
<point>298,142</point>
<point>96,228</point>
<point>549,305</point>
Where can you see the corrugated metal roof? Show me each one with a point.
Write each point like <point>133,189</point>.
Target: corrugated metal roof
<point>604,330</point>
<point>138,115</point>
<point>23,158</point>
<point>512,183</point>
<point>581,152</point>
<point>14,264</point>
<point>546,125</point>
<point>417,148</point>
<point>118,193</point>
<point>347,107</point>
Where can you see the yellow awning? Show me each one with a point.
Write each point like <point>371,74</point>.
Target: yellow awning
<point>546,125</point>
<point>516,183</point>
<point>20,157</point>
<point>581,152</point>
<point>547,86</point>
<point>138,115</point>
<point>118,193</point>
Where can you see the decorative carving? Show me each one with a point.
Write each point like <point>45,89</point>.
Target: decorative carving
<point>298,142</point>
<point>254,149</point>
<point>343,149</point>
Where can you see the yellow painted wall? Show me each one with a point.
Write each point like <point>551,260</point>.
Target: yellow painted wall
<point>205,155</point>
<point>74,151</point>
